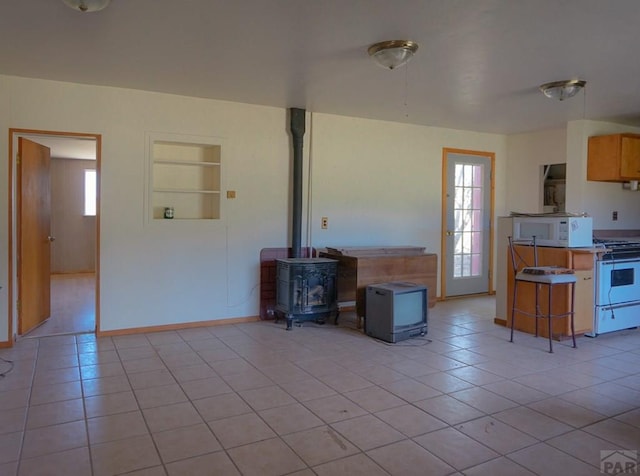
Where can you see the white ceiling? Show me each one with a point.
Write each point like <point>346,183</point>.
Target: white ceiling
<point>478,66</point>
<point>66,147</point>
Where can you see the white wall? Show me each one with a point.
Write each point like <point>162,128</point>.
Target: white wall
<point>154,272</point>
<point>527,154</point>
<point>378,182</point>
<point>74,248</point>
<point>598,199</point>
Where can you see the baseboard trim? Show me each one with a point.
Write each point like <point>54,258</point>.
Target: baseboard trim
<point>176,327</point>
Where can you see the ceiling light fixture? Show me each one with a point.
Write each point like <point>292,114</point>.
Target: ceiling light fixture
<point>394,53</point>
<point>87,5</point>
<point>562,90</point>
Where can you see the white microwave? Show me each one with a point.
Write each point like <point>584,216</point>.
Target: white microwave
<point>559,231</point>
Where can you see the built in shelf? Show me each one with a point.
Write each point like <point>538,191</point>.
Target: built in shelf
<point>181,190</point>
<point>182,162</point>
<point>185,176</point>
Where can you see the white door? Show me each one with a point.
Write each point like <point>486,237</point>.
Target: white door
<point>467,218</point>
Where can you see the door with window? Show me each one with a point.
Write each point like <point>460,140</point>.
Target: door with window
<point>467,212</point>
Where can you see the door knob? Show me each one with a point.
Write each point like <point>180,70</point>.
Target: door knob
<point>51,238</point>
<point>449,233</point>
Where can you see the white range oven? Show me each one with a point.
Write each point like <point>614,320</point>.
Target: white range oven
<point>617,288</point>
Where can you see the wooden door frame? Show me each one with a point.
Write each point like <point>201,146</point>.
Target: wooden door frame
<point>12,219</point>
<point>443,257</point>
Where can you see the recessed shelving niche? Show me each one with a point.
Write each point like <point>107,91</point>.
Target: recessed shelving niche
<point>185,176</point>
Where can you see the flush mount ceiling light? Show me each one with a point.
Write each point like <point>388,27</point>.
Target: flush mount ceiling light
<point>394,53</point>
<point>562,90</point>
<point>87,5</point>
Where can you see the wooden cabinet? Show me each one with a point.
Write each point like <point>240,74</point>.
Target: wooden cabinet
<point>614,158</point>
<point>185,176</point>
<point>359,267</point>
<point>582,261</point>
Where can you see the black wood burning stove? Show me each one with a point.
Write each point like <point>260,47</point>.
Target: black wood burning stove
<point>306,289</point>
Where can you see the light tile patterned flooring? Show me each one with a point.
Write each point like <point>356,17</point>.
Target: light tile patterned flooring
<point>72,305</point>
<point>253,399</point>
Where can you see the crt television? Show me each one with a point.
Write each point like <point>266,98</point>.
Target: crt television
<point>395,311</point>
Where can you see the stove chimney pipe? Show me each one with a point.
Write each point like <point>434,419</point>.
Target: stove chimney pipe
<point>297,134</point>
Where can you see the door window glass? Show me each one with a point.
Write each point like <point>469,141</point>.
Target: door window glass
<point>468,212</point>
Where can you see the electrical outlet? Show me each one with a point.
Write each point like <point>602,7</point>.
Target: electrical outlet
<point>614,216</point>
<point>324,223</point>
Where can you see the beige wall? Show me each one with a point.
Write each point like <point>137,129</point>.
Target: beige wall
<point>73,250</point>
<point>527,154</point>
<point>377,182</point>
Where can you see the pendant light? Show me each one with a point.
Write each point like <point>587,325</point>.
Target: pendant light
<point>87,5</point>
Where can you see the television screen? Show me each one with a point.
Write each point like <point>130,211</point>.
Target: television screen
<point>408,308</point>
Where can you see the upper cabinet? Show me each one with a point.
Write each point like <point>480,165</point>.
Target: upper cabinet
<point>614,158</point>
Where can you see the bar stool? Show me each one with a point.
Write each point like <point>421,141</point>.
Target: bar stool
<point>548,276</point>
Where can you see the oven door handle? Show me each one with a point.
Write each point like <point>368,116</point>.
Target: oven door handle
<point>608,307</point>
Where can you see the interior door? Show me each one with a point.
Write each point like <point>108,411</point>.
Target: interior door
<point>34,228</point>
<point>467,223</point>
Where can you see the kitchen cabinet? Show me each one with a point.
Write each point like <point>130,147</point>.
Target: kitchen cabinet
<point>582,262</point>
<point>614,158</point>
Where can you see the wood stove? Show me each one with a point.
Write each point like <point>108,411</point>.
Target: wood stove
<point>306,289</point>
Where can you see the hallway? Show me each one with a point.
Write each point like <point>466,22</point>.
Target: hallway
<point>72,306</point>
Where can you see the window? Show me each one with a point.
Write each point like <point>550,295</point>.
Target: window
<point>90,183</point>
<point>468,210</point>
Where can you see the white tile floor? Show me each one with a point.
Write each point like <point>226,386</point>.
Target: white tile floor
<point>253,399</point>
